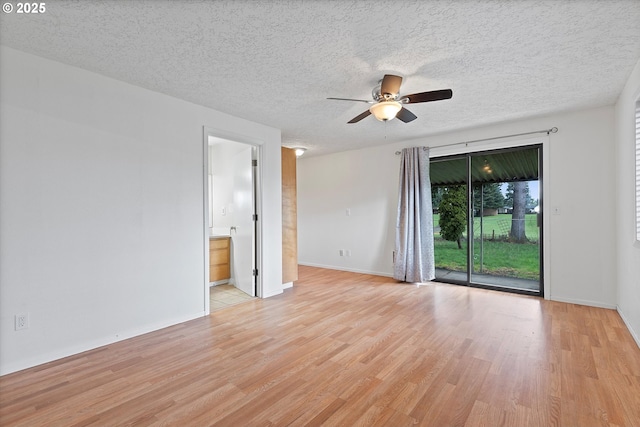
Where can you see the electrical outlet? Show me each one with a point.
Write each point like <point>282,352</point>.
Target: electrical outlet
<point>341,252</point>
<point>22,321</point>
<point>348,252</point>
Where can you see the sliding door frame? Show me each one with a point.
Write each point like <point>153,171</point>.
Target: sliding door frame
<point>466,149</point>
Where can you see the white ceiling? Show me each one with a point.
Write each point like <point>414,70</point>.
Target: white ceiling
<point>275,61</point>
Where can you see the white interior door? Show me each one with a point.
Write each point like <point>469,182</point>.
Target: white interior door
<point>242,233</point>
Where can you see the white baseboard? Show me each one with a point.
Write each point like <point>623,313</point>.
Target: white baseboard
<point>93,344</point>
<point>351,270</point>
<point>272,294</point>
<point>633,333</point>
<point>287,285</point>
<point>220,282</point>
<point>583,302</point>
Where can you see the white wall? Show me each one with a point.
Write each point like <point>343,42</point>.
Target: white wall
<point>101,214</point>
<point>628,252</point>
<point>222,169</point>
<point>581,240</point>
<point>363,181</point>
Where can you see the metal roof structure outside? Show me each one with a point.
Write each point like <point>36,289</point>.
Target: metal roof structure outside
<point>499,166</point>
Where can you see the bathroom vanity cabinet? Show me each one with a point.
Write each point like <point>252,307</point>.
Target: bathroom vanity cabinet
<point>219,258</point>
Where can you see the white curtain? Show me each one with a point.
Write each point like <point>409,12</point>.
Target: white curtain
<point>414,261</point>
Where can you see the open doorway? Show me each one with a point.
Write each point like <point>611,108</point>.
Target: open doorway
<point>232,229</point>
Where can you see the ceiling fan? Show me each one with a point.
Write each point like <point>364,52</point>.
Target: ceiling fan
<point>387,102</point>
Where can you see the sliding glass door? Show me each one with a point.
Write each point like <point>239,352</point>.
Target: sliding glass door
<point>497,196</point>
<point>449,196</point>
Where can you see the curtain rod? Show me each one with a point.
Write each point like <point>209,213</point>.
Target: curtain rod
<point>547,131</point>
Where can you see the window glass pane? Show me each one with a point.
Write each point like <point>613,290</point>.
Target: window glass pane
<point>449,197</point>
<point>506,219</point>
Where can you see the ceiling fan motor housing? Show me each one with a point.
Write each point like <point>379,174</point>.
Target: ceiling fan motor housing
<point>376,94</point>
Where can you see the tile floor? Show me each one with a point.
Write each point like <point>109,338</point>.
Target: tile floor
<point>223,296</point>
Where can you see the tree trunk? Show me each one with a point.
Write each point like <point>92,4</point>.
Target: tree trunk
<point>519,208</point>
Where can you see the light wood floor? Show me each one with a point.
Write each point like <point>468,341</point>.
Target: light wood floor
<point>344,349</point>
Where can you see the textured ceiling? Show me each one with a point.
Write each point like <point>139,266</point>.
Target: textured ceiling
<point>275,62</point>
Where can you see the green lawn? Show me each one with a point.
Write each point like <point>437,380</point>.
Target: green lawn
<point>500,257</point>
<point>501,225</point>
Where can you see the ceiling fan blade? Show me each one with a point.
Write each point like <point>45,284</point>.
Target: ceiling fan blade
<point>390,84</point>
<point>434,95</point>
<point>405,115</point>
<point>356,119</point>
<point>349,99</point>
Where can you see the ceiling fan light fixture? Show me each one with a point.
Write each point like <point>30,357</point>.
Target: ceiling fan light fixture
<point>385,110</point>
